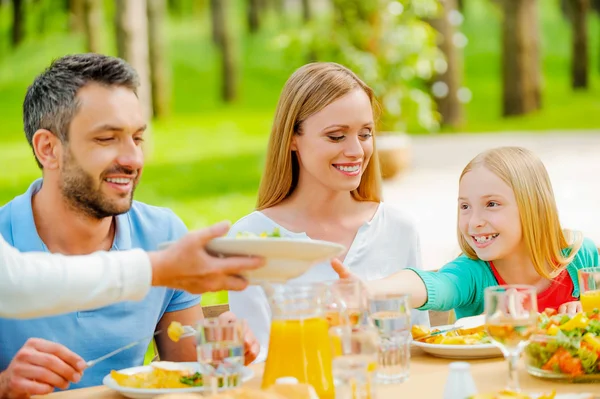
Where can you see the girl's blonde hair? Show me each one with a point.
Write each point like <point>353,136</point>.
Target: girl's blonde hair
<point>525,173</point>
<point>310,89</point>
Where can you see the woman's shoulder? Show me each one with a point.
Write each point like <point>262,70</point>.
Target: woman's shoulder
<point>396,216</point>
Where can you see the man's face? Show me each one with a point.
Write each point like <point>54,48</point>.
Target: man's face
<point>102,159</point>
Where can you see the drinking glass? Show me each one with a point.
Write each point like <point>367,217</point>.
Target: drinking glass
<point>390,314</point>
<point>347,303</point>
<point>510,319</point>
<point>354,350</point>
<point>220,350</point>
<point>589,288</point>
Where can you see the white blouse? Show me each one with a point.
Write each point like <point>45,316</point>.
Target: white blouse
<point>35,284</point>
<point>383,246</point>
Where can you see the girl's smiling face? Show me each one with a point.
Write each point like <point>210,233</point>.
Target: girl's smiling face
<point>488,215</point>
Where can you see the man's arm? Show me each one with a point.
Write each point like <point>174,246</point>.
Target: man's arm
<point>185,349</point>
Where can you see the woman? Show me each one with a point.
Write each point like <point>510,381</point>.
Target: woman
<point>322,181</point>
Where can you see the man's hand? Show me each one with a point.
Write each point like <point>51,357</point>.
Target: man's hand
<point>38,368</point>
<point>251,344</point>
<point>187,266</point>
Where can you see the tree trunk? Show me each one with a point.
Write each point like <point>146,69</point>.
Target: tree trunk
<point>580,55</point>
<point>449,106</point>
<point>18,27</point>
<point>460,5</point>
<point>159,65</point>
<point>306,10</point>
<point>132,45</point>
<point>254,11</point>
<point>217,27</point>
<point>94,20</point>
<point>521,73</point>
<point>225,42</point>
<point>77,16</point>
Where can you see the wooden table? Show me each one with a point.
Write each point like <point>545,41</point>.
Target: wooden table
<point>427,379</point>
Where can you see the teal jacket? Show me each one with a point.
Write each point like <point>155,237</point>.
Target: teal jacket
<point>459,285</point>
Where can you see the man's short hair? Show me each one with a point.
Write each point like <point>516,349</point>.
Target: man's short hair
<point>50,102</point>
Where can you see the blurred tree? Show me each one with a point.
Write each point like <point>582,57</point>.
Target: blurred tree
<point>577,12</point>
<point>94,21</point>
<point>521,69</point>
<point>76,16</point>
<point>18,26</point>
<point>450,74</point>
<point>217,28</point>
<point>176,7</point>
<point>223,37</point>
<point>391,47</point>
<point>460,5</point>
<point>159,62</point>
<point>306,10</point>
<point>254,14</point>
<point>132,45</point>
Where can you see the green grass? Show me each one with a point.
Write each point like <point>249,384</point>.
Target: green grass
<point>205,161</point>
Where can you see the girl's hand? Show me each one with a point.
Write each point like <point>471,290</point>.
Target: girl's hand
<point>570,308</point>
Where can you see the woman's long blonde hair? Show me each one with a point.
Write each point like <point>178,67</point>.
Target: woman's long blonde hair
<point>544,237</point>
<point>310,89</point>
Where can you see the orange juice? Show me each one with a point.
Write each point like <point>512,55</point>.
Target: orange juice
<point>301,349</point>
<point>590,300</point>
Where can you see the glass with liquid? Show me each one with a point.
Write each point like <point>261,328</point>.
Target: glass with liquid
<point>220,350</point>
<point>511,317</point>
<point>589,287</point>
<point>390,314</point>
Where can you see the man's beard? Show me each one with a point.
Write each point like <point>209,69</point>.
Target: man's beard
<point>78,188</point>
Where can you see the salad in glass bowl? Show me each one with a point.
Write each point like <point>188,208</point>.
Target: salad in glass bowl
<point>566,347</point>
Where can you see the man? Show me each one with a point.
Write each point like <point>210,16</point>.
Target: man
<point>84,123</point>
<point>36,284</point>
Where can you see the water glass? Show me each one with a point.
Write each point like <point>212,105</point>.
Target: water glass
<point>354,350</point>
<point>220,349</point>
<point>589,286</point>
<point>390,314</point>
<point>394,357</point>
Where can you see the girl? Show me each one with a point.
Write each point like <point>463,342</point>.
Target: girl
<point>509,233</point>
<point>322,181</point>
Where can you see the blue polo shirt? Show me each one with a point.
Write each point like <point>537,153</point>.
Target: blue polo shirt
<point>94,333</point>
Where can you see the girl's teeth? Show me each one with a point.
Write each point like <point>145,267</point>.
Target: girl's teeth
<point>484,239</point>
<point>348,168</point>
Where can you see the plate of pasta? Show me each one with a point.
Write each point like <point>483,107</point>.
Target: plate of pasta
<point>466,343</point>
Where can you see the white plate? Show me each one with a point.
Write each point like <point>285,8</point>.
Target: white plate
<point>136,393</point>
<point>480,351</point>
<point>286,258</point>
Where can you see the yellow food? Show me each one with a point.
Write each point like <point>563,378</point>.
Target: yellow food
<point>468,336</point>
<point>175,331</point>
<point>162,376</point>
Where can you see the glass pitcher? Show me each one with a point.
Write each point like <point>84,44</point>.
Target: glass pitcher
<point>299,344</point>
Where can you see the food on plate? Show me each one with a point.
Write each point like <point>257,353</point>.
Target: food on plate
<point>467,336</point>
<point>167,375</point>
<point>512,395</point>
<point>567,345</point>
<point>246,234</point>
<point>175,331</point>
